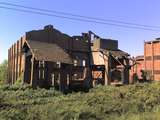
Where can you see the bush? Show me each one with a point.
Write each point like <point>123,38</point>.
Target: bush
<point>133,102</point>
<point>3,72</point>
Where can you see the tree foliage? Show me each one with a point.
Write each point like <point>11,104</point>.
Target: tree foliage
<point>3,72</point>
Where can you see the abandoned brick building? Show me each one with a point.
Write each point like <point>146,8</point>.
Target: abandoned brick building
<point>150,62</point>
<point>136,70</point>
<point>115,62</point>
<point>48,57</point>
<point>152,58</point>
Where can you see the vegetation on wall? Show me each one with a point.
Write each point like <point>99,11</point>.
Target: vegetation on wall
<point>133,102</point>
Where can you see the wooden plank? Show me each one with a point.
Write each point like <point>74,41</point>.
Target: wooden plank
<point>8,81</point>
<point>14,56</point>
<point>24,69</point>
<point>32,70</point>
<point>107,63</point>
<point>20,56</point>
<point>17,61</point>
<point>16,64</point>
<point>22,59</point>
<point>34,75</point>
<point>12,64</point>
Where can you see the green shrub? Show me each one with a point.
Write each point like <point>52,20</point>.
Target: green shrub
<point>3,72</point>
<point>133,102</point>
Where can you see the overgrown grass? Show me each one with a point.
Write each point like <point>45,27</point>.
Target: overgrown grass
<point>134,102</point>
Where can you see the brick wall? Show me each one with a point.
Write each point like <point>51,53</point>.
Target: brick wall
<point>152,58</point>
<point>136,69</point>
<point>15,61</point>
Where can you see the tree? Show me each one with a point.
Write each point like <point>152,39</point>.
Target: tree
<point>3,72</point>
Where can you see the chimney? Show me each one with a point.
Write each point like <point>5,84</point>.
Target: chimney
<point>48,27</point>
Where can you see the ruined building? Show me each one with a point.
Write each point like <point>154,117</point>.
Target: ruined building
<point>48,57</point>
<point>113,62</point>
<point>152,58</point>
<point>136,72</point>
<point>150,63</point>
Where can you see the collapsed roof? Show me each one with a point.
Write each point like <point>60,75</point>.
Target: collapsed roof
<point>48,52</point>
<point>108,46</point>
<point>115,53</point>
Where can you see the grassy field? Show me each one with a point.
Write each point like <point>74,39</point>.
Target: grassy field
<point>134,102</point>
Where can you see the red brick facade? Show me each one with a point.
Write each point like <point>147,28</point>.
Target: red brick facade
<point>150,63</point>
<point>152,58</point>
<point>136,70</point>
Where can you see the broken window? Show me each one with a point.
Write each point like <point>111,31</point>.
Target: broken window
<point>58,65</point>
<point>79,62</point>
<point>75,76</point>
<point>68,79</point>
<point>75,62</point>
<point>83,63</point>
<point>55,78</point>
<point>41,69</point>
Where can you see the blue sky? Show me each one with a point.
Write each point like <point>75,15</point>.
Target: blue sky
<point>14,24</point>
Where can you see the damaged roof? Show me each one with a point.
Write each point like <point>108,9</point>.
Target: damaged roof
<point>116,53</point>
<point>119,53</point>
<point>140,57</point>
<point>48,52</point>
